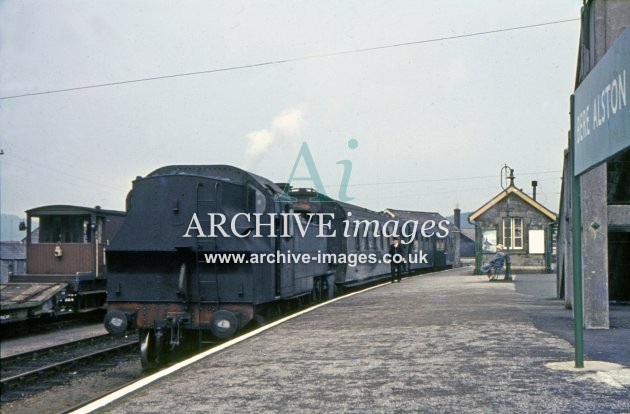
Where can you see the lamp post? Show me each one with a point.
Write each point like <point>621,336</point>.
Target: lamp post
<point>508,262</point>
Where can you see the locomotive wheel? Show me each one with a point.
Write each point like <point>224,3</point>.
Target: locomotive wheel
<point>150,349</point>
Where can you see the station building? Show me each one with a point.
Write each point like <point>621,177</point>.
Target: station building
<point>521,224</point>
<point>601,119</point>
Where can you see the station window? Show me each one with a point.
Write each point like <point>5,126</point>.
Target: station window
<point>513,232</point>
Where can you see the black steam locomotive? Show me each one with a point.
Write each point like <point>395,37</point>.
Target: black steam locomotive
<point>205,250</point>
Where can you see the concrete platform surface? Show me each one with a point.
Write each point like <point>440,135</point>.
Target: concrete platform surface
<point>444,342</point>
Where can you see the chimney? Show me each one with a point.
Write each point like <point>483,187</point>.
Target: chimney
<point>534,185</point>
<point>457,217</point>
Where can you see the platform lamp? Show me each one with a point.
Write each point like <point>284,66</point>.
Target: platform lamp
<point>504,177</point>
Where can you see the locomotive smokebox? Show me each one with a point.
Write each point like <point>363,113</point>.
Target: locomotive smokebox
<point>116,322</point>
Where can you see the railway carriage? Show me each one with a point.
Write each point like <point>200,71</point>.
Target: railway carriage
<point>441,249</point>
<point>428,238</point>
<point>364,233</point>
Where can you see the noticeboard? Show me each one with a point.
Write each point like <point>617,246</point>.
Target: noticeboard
<point>601,121</point>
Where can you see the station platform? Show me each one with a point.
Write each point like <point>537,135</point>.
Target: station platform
<point>441,342</point>
<point>34,342</point>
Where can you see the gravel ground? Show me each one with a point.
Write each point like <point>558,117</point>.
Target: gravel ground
<point>76,391</point>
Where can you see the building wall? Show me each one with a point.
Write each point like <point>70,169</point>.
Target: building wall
<point>595,247</point>
<point>11,267</point>
<point>467,247</point>
<point>603,21</point>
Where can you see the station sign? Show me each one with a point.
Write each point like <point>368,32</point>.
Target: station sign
<point>601,121</point>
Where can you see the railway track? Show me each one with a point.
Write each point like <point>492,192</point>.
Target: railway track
<point>29,372</point>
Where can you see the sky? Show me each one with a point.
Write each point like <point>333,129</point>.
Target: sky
<point>434,121</point>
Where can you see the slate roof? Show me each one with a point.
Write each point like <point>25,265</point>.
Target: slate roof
<point>503,194</point>
<point>468,233</point>
<point>12,251</point>
<point>421,216</point>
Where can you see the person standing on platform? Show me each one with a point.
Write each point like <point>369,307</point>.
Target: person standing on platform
<point>396,254</point>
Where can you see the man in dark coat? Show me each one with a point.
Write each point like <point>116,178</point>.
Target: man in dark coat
<point>396,253</point>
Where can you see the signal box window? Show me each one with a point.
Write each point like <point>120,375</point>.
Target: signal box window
<point>64,229</point>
